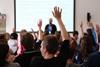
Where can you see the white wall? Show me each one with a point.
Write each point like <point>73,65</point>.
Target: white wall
<point>7,7</point>
<point>82,7</point>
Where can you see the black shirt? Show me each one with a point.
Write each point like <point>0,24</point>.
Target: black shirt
<point>59,61</point>
<point>50,27</point>
<point>93,60</point>
<point>25,58</point>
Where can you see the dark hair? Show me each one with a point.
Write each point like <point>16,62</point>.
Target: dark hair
<point>23,30</point>
<point>83,47</point>
<point>51,44</point>
<point>90,41</point>
<point>4,49</point>
<point>27,41</point>
<point>89,31</point>
<point>75,33</point>
<point>14,35</point>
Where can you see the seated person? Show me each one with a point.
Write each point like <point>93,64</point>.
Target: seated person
<point>13,43</point>
<point>6,58</point>
<point>24,58</point>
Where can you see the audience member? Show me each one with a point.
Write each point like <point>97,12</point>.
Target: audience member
<point>20,47</point>
<point>6,58</point>
<point>50,45</point>
<point>13,43</point>
<point>93,59</point>
<point>27,42</point>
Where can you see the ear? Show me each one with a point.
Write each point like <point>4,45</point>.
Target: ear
<point>45,50</point>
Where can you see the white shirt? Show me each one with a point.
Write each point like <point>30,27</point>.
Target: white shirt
<point>13,45</point>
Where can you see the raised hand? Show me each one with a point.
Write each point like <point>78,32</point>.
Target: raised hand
<point>81,25</point>
<point>14,30</point>
<point>40,35</point>
<point>40,23</point>
<point>57,12</point>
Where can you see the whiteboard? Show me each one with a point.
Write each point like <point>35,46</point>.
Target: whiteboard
<point>28,12</point>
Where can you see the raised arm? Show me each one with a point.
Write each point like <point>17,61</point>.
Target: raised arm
<point>81,25</point>
<point>57,14</point>
<point>40,33</point>
<point>13,30</point>
<point>33,33</point>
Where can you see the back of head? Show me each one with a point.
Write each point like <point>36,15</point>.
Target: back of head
<point>51,44</point>
<point>27,41</point>
<point>14,36</point>
<point>89,32</point>
<point>7,36</point>
<point>75,33</point>
<point>23,30</point>
<point>83,46</point>
<point>22,33</point>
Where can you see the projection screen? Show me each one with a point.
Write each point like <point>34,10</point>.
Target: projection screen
<point>28,12</point>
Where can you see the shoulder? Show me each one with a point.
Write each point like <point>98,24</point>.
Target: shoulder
<point>36,61</point>
<point>37,58</point>
<point>13,65</point>
<point>95,54</point>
